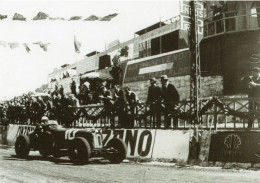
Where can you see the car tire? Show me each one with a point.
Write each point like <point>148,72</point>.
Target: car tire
<point>46,144</point>
<point>79,151</point>
<point>22,146</point>
<point>121,148</point>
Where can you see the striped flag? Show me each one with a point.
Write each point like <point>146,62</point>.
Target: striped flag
<point>77,45</point>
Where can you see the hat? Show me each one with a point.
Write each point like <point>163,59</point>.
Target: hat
<point>164,77</point>
<point>45,118</point>
<point>153,80</point>
<point>213,5</point>
<point>256,69</point>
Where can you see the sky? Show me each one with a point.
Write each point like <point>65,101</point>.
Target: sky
<point>21,72</point>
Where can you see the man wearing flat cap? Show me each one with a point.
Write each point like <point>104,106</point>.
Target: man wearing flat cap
<point>254,93</point>
<point>154,100</point>
<point>170,97</point>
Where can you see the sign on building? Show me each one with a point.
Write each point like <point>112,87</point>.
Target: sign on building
<point>176,63</point>
<point>185,16</point>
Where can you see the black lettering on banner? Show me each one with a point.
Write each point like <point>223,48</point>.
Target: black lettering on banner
<point>119,134</point>
<point>108,134</point>
<point>148,143</point>
<point>131,139</point>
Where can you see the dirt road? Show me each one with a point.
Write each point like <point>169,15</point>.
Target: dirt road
<point>38,169</point>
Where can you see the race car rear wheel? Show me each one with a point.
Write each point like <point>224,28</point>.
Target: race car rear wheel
<point>46,144</point>
<point>79,151</point>
<point>22,146</point>
<point>120,148</point>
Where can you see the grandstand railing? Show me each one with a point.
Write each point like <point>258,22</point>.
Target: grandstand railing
<point>230,22</point>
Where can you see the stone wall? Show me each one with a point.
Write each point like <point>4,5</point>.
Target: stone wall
<point>210,86</point>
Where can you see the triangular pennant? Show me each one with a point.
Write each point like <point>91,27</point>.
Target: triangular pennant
<point>41,16</point>
<point>3,17</point>
<point>27,47</point>
<point>13,45</point>
<point>75,18</point>
<point>43,46</point>
<point>19,17</point>
<point>108,17</point>
<point>91,18</point>
<point>77,45</point>
<point>3,43</point>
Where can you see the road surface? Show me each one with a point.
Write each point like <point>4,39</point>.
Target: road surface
<point>39,169</point>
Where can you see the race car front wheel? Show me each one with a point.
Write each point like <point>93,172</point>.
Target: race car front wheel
<point>79,151</point>
<point>22,146</point>
<point>120,150</point>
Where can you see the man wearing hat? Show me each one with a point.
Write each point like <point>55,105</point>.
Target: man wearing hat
<point>170,97</point>
<point>254,93</point>
<point>154,100</point>
<point>119,105</point>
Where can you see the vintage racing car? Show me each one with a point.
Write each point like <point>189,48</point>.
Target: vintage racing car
<point>79,144</point>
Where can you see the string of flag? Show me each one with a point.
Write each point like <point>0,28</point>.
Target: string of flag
<point>44,46</point>
<point>14,45</point>
<point>44,16</point>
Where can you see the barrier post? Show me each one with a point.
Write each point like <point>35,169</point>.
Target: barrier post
<point>215,108</point>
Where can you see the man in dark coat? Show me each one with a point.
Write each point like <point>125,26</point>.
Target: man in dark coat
<point>170,97</point>
<point>254,94</point>
<point>132,101</point>
<point>108,105</point>
<point>154,100</point>
<point>120,105</point>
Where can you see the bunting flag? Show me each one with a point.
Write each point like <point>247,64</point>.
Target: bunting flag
<point>75,18</point>
<point>41,16</point>
<point>77,45</point>
<point>44,16</point>
<point>19,17</point>
<point>43,46</point>
<point>13,45</point>
<point>56,18</point>
<point>3,43</point>
<point>91,18</point>
<point>108,17</point>
<point>3,17</point>
<point>26,47</point>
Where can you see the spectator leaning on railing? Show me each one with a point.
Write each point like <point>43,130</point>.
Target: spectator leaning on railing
<point>254,93</point>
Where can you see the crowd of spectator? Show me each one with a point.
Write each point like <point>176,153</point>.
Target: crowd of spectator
<point>29,108</point>
<point>123,103</point>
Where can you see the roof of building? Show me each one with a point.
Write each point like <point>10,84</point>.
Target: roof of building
<point>150,28</point>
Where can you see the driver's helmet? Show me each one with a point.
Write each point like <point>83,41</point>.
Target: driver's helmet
<point>44,120</point>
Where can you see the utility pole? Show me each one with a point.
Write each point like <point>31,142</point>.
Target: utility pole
<point>195,75</point>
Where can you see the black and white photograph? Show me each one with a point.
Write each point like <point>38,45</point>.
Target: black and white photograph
<point>131,91</point>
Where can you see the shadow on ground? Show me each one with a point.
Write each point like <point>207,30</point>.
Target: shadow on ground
<point>60,161</point>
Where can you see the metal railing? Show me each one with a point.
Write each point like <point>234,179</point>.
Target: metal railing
<point>215,113</point>
<point>228,22</point>
<point>221,113</point>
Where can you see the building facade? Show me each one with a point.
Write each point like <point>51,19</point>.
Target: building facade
<point>229,48</point>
